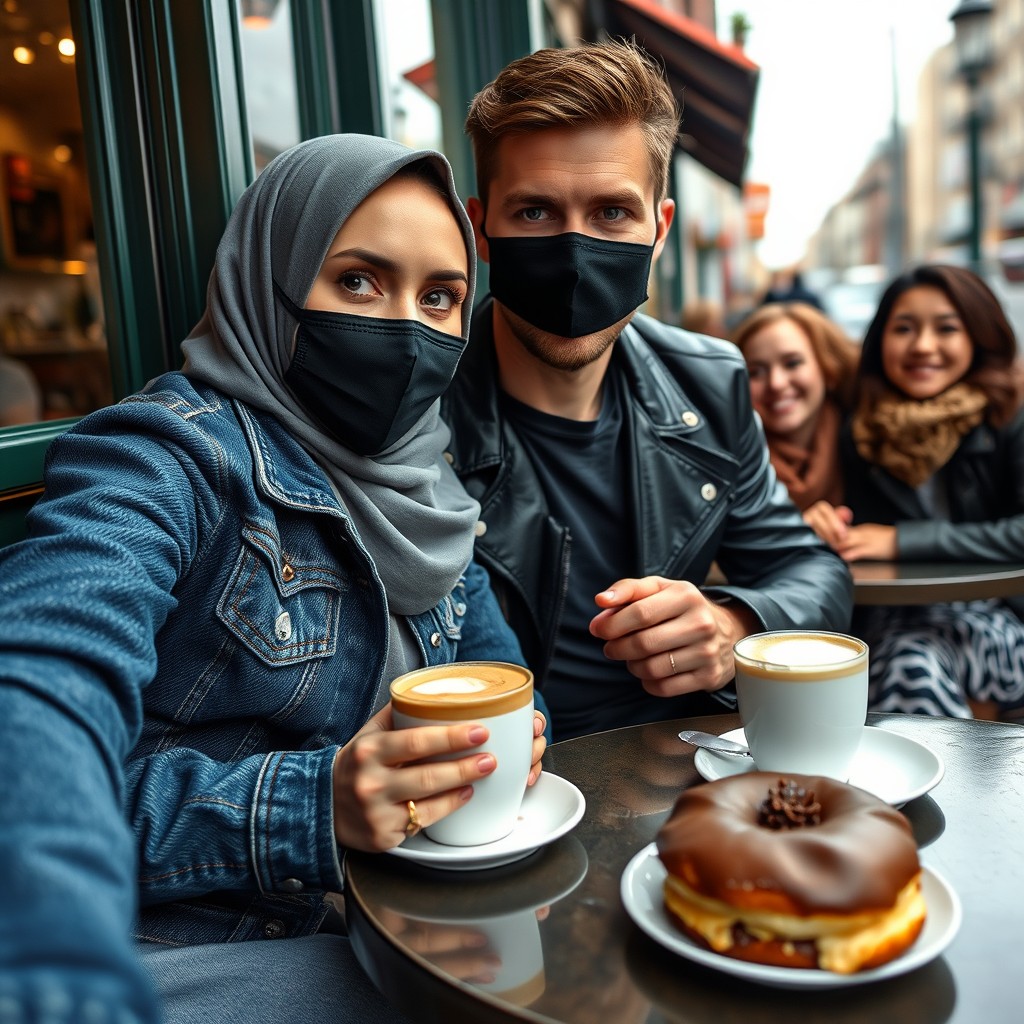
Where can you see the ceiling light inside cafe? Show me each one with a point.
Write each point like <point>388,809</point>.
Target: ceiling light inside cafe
<point>66,47</point>
<point>24,54</point>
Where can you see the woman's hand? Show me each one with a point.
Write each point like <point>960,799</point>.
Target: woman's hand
<point>539,743</point>
<point>830,522</point>
<point>380,770</point>
<point>869,540</point>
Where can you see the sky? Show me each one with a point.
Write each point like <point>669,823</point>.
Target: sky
<point>825,97</point>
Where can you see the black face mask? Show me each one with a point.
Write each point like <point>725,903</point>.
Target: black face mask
<point>569,284</point>
<point>364,379</point>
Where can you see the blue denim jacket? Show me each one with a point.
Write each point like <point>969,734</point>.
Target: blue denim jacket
<point>193,557</point>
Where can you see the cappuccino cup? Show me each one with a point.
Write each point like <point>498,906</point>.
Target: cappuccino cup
<point>803,700</point>
<point>499,696</point>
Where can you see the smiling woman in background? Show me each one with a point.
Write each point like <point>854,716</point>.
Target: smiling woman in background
<point>801,369</point>
<point>934,469</point>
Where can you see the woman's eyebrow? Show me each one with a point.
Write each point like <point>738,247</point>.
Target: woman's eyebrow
<point>384,263</point>
<point>368,256</point>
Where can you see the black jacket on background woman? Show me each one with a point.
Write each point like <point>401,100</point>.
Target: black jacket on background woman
<point>983,485</point>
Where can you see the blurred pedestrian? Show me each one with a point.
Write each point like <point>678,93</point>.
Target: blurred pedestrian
<point>788,286</point>
<point>704,316</point>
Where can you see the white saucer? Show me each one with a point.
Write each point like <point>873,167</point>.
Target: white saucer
<point>894,768</point>
<point>641,889</point>
<point>550,808</point>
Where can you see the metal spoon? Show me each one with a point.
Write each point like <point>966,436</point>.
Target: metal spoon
<point>717,744</point>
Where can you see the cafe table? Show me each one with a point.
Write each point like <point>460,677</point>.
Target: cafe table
<point>557,917</point>
<point>904,583</point>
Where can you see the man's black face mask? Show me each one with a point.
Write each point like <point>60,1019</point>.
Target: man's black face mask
<point>569,284</point>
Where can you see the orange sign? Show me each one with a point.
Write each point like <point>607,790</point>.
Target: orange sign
<point>755,205</point>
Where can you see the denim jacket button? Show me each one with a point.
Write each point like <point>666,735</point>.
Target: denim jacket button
<point>460,609</point>
<point>283,626</point>
<point>292,885</point>
<point>273,929</point>
<point>287,573</point>
<point>435,639</point>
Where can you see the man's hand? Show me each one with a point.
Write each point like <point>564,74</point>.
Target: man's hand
<point>671,637</point>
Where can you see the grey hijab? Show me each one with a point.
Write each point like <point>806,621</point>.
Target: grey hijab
<point>411,513</point>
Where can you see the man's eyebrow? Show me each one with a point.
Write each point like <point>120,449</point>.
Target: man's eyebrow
<point>620,197</point>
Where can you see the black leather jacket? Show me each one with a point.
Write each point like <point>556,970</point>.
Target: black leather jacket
<point>984,488</point>
<point>703,490</point>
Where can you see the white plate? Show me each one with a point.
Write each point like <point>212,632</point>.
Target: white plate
<point>894,768</point>
<point>550,808</point>
<point>642,884</point>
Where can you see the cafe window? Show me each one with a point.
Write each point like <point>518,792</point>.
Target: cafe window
<point>53,346</point>
<point>405,45</point>
<point>271,95</point>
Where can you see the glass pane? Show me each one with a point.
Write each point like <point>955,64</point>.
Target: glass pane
<point>271,96</point>
<point>405,41</point>
<point>53,347</point>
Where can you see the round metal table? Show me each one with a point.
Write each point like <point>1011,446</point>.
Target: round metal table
<point>895,583</point>
<point>418,931</point>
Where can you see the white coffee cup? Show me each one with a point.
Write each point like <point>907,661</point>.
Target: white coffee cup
<point>803,699</point>
<point>499,696</point>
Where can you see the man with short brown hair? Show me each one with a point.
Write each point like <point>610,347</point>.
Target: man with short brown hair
<point>612,456</point>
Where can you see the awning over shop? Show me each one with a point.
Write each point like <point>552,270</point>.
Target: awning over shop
<point>715,82</point>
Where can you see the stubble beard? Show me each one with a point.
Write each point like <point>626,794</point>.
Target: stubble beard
<point>566,354</point>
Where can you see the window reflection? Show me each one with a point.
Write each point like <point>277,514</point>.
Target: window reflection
<point>271,96</point>
<point>405,42</point>
<point>53,349</point>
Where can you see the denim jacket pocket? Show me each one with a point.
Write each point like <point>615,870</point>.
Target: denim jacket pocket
<point>284,606</point>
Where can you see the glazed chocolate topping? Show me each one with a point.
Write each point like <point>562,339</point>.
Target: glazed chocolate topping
<point>860,855</point>
<point>789,805</point>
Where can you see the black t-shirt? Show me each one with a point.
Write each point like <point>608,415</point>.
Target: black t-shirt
<point>584,469</point>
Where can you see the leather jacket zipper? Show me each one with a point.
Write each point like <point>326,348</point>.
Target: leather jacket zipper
<point>563,590</point>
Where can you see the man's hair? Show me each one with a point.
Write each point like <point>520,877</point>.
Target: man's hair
<point>599,84</point>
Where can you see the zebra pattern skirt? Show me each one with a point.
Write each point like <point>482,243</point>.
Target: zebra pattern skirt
<point>930,659</point>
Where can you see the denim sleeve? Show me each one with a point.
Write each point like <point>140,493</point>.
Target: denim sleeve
<point>205,826</point>
<point>486,636</point>
<point>67,864</point>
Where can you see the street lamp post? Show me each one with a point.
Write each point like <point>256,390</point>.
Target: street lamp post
<point>972,26</point>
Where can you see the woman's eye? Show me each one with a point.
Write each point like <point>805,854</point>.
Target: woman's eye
<point>439,299</point>
<point>357,284</point>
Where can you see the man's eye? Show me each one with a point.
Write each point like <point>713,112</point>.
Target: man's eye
<point>613,213</point>
<point>533,213</point>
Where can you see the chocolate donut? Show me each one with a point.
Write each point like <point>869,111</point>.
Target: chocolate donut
<point>798,872</point>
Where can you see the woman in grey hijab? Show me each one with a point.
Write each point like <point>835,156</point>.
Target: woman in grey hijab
<point>241,557</point>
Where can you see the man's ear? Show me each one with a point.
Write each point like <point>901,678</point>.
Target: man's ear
<point>666,214</point>
<point>477,214</point>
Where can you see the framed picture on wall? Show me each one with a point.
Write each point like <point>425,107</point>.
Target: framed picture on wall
<point>33,217</point>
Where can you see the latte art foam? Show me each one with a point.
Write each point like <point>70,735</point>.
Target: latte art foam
<point>794,656</point>
<point>463,690</point>
<point>453,684</point>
